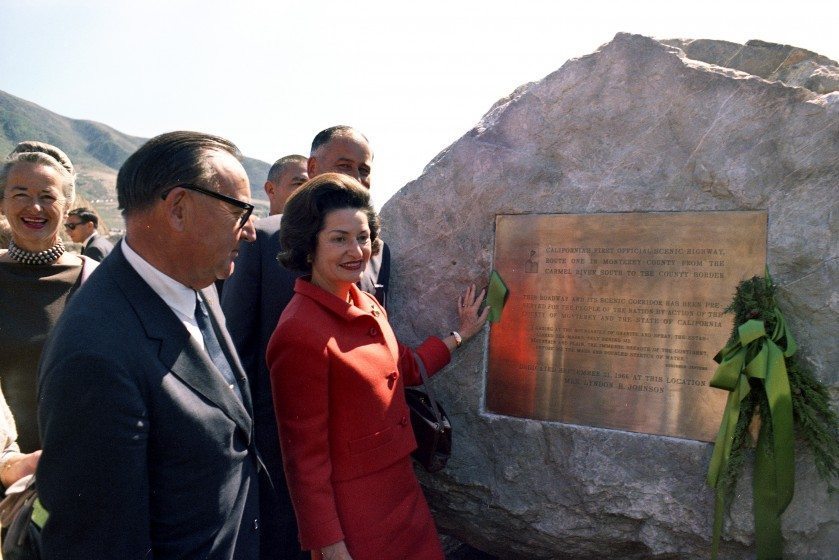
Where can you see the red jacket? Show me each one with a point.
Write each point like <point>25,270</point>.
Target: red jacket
<point>338,376</point>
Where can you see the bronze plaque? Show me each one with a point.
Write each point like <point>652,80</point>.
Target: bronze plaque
<point>613,320</point>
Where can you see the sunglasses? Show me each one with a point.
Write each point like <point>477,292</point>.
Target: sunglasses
<point>246,208</point>
<point>71,227</point>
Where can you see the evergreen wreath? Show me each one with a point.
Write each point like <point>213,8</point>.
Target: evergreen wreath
<point>759,368</point>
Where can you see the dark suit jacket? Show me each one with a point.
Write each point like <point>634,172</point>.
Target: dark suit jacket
<point>252,300</point>
<point>377,275</point>
<point>97,248</point>
<point>147,452</point>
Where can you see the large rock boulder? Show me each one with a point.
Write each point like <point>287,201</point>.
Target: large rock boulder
<point>637,126</point>
<point>770,61</point>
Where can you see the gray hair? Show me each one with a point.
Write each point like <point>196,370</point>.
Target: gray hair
<point>41,153</point>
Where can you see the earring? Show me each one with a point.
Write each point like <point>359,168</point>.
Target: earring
<point>309,258</point>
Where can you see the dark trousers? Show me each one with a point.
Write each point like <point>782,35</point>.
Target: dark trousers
<point>278,531</point>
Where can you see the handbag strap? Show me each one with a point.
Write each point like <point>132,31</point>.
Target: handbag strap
<point>437,416</point>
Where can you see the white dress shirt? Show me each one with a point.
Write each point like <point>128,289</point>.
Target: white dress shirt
<point>180,298</point>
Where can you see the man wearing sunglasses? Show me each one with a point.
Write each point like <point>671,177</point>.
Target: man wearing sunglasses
<point>81,225</point>
<point>146,415</point>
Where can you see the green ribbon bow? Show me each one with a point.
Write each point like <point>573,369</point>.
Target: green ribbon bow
<point>756,355</point>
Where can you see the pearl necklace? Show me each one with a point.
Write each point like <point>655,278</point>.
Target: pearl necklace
<point>41,257</point>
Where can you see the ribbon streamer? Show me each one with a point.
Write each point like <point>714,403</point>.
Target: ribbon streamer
<point>496,296</point>
<point>755,360</point>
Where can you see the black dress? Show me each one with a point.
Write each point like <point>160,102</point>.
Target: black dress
<point>32,297</point>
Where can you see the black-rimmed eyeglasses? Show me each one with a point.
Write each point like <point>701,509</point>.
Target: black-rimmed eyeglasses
<point>246,208</point>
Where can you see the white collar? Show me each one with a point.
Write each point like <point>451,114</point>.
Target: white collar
<point>179,297</point>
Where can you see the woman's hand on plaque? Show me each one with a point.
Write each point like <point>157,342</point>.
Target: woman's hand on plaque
<point>472,319</point>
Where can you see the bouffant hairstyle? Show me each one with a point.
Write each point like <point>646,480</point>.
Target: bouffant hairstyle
<point>41,153</point>
<point>306,211</point>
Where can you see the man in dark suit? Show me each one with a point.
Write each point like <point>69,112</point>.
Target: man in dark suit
<point>145,414</point>
<point>82,225</point>
<point>342,149</point>
<point>286,176</point>
<point>253,300</point>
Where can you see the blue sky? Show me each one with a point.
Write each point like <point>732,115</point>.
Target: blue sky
<point>414,77</point>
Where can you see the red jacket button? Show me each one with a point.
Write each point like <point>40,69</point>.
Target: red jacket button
<point>373,331</point>
<point>404,421</point>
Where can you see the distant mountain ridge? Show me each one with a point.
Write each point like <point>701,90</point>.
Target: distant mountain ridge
<point>97,150</point>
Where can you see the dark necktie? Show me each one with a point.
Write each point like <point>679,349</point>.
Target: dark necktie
<point>211,344</point>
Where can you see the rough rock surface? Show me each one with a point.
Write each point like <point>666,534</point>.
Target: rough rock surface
<point>636,126</point>
<point>770,61</point>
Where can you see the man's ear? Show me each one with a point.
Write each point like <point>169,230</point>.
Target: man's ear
<point>269,189</point>
<point>310,166</point>
<point>176,208</point>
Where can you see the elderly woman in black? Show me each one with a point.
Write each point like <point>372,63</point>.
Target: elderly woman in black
<point>37,276</point>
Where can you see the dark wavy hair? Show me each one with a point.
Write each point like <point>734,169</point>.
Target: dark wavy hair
<point>85,215</point>
<point>306,211</point>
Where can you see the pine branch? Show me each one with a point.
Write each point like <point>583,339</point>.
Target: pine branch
<point>816,422</point>
<point>741,441</point>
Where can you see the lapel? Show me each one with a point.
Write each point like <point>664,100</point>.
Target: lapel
<point>365,308</point>
<point>369,281</point>
<point>210,295</point>
<point>331,302</point>
<point>178,352</point>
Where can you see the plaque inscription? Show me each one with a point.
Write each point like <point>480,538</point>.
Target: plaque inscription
<point>613,320</point>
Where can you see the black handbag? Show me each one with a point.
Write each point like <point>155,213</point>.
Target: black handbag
<point>22,517</point>
<point>431,425</point>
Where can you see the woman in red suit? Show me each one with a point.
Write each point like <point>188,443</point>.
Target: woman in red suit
<point>338,376</point>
